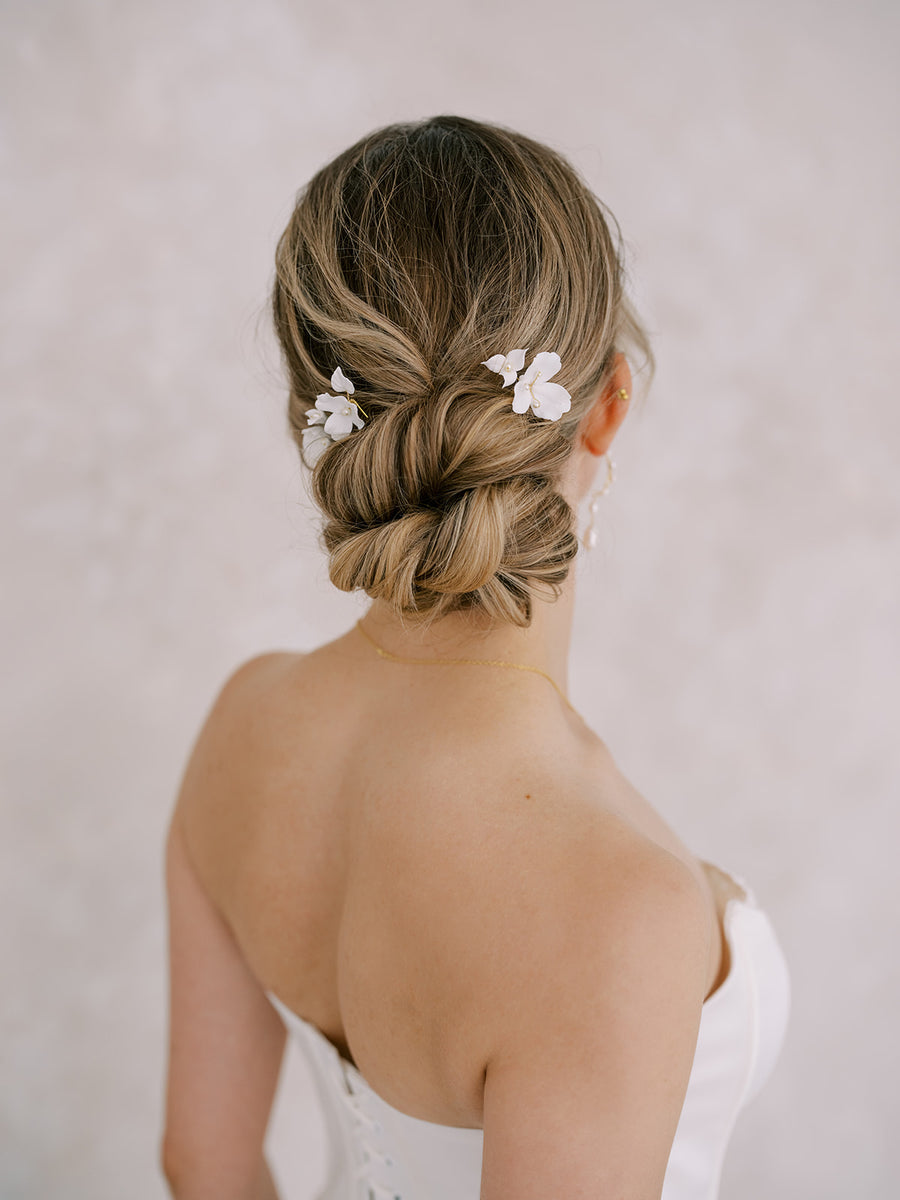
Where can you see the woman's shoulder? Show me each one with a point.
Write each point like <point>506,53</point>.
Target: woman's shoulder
<point>533,907</point>
<point>250,681</point>
<point>532,825</point>
<point>262,671</point>
<point>234,736</point>
<point>249,695</point>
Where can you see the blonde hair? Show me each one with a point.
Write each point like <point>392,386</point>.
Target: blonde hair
<point>417,253</point>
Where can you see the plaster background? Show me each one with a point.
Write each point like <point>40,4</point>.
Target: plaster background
<point>736,631</point>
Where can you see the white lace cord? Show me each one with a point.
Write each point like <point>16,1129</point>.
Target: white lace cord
<point>373,1156</point>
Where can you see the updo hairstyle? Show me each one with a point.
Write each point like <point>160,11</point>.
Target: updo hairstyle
<point>417,253</point>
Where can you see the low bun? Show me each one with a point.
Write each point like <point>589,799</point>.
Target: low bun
<point>489,548</point>
<point>414,256</point>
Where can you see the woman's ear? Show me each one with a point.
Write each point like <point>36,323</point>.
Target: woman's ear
<point>608,411</point>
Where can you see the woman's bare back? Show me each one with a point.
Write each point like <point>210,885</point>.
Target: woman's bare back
<point>332,837</point>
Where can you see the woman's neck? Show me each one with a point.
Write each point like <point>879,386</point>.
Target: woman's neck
<point>544,644</point>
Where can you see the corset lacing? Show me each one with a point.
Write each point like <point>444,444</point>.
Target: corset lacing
<point>373,1157</point>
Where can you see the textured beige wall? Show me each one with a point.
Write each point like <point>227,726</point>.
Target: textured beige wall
<point>737,625</point>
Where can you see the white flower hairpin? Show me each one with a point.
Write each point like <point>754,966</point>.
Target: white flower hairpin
<point>533,389</point>
<point>335,417</point>
<point>322,430</point>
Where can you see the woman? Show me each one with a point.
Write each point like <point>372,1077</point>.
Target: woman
<point>511,977</point>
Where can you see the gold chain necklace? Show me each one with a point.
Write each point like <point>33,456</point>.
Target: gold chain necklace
<point>484,662</point>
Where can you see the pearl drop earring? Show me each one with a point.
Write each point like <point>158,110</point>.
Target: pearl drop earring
<point>590,534</point>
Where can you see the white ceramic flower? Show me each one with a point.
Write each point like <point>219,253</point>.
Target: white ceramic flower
<point>321,430</point>
<point>344,411</point>
<point>344,416</point>
<point>547,400</point>
<point>507,365</point>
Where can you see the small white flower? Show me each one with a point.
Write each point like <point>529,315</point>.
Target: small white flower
<point>322,430</point>
<point>507,365</point>
<point>344,416</point>
<point>547,400</point>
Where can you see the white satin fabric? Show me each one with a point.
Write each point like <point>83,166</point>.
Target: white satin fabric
<point>380,1153</point>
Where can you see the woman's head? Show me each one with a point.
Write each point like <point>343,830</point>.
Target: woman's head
<point>418,253</point>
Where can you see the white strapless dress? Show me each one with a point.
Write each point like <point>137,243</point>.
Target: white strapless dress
<point>380,1153</point>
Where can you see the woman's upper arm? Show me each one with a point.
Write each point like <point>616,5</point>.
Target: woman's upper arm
<point>586,1082</point>
<point>225,1040</point>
